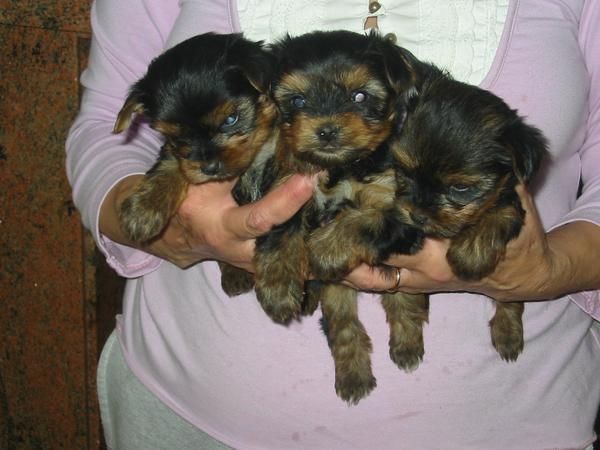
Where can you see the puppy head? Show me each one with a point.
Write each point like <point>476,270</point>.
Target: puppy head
<point>208,97</point>
<point>460,154</point>
<point>337,93</point>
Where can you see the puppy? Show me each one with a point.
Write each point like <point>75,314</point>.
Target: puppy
<point>459,156</point>
<point>208,97</point>
<point>338,94</point>
<point>367,228</point>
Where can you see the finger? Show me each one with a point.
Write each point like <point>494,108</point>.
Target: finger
<point>525,197</point>
<point>533,222</point>
<point>369,278</point>
<point>528,204</point>
<point>433,249</point>
<point>279,205</point>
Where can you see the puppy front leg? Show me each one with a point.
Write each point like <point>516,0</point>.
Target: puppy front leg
<point>349,343</point>
<point>281,270</point>
<point>235,281</point>
<point>476,252</point>
<point>506,328</point>
<point>338,247</point>
<point>145,213</point>
<point>406,314</point>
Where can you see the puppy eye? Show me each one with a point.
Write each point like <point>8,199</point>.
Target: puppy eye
<point>359,96</point>
<point>298,101</point>
<point>230,120</point>
<point>462,193</point>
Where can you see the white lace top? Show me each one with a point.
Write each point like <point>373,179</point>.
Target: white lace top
<point>458,35</point>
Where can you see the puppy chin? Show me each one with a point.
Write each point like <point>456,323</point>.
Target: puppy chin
<point>330,157</point>
<point>447,225</point>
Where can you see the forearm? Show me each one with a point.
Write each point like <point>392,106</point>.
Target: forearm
<point>537,265</point>
<point>575,249</point>
<point>173,244</point>
<point>165,247</point>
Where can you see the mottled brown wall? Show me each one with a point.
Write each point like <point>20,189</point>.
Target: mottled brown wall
<point>53,316</point>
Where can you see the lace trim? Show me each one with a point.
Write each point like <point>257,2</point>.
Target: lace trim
<point>459,35</point>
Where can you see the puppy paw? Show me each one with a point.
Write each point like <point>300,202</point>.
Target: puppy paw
<point>354,385</point>
<point>235,281</point>
<point>506,329</point>
<point>508,343</point>
<point>406,315</point>
<point>407,357</point>
<point>330,258</point>
<point>141,218</point>
<point>329,261</point>
<point>282,302</point>
<point>350,347</point>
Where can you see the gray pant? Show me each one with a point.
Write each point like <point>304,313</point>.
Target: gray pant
<point>133,418</point>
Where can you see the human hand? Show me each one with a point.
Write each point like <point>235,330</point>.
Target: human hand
<point>527,271</point>
<point>209,223</point>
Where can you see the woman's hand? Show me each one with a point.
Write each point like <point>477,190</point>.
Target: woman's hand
<point>210,224</point>
<point>536,265</point>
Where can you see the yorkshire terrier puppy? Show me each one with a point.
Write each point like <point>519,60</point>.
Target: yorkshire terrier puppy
<point>338,94</point>
<point>208,97</point>
<point>458,158</point>
<point>367,228</point>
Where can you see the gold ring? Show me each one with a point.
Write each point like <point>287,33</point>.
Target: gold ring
<point>394,288</point>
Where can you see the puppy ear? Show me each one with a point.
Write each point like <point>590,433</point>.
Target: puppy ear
<point>529,148</point>
<point>405,74</point>
<point>260,68</point>
<point>257,76</point>
<point>253,60</point>
<point>402,69</point>
<point>133,105</point>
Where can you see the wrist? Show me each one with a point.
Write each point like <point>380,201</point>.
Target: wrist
<point>574,257</point>
<point>557,270</point>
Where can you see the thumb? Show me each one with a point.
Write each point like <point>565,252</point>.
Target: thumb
<point>275,208</point>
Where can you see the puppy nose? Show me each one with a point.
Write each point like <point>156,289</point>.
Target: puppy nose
<point>327,133</point>
<point>212,167</point>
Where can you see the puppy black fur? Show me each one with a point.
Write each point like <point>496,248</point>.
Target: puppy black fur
<point>340,96</point>
<point>458,158</point>
<point>208,96</point>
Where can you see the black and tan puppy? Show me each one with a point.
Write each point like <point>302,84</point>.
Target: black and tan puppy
<point>459,156</point>
<point>367,228</point>
<point>338,94</point>
<point>208,98</point>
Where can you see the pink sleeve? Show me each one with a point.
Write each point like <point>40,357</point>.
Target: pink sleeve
<point>126,36</point>
<point>587,207</point>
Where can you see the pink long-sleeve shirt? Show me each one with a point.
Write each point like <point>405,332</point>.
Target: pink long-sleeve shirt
<point>221,363</point>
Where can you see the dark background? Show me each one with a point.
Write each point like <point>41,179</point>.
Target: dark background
<point>57,298</point>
